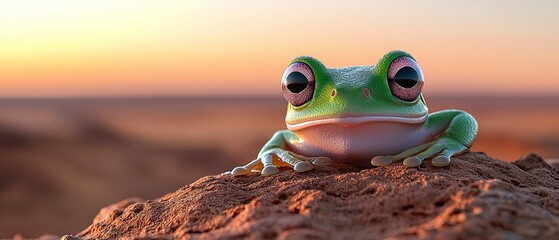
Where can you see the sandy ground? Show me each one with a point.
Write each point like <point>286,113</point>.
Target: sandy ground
<point>61,161</point>
<point>477,197</point>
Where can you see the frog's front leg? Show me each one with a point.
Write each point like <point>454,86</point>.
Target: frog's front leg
<point>459,129</point>
<point>276,147</point>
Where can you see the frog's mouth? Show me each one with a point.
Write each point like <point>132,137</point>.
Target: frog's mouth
<point>356,120</point>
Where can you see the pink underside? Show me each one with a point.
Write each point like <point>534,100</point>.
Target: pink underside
<point>358,144</point>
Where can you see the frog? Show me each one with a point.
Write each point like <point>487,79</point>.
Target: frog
<point>362,116</point>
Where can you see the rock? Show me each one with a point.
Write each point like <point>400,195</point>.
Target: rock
<point>477,197</point>
<point>553,162</point>
<point>69,237</point>
<point>114,210</point>
<point>533,161</point>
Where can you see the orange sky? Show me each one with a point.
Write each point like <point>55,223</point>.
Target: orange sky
<point>112,48</point>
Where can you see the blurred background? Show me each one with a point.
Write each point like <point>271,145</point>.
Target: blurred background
<point>105,100</point>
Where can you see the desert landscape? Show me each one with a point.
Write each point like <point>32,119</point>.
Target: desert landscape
<point>118,117</point>
<point>62,160</point>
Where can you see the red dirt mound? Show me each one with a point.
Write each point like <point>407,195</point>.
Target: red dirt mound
<point>477,197</point>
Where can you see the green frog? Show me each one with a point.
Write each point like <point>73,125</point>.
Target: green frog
<point>360,115</point>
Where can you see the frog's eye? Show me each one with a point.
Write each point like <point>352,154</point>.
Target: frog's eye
<point>405,78</point>
<point>297,83</point>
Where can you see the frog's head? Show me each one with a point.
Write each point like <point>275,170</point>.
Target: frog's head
<point>389,91</point>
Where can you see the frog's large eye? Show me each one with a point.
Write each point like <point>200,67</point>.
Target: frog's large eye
<point>405,78</point>
<point>297,83</point>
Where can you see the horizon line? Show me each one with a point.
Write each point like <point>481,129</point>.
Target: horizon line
<point>208,96</point>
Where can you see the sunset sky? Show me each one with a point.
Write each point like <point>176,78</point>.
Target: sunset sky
<point>64,48</point>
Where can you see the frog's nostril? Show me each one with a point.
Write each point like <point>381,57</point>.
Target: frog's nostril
<point>366,92</point>
<point>333,93</point>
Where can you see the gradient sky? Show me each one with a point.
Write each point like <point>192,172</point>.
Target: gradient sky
<point>66,48</point>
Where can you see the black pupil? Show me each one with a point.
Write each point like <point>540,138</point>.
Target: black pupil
<point>296,82</point>
<point>406,77</point>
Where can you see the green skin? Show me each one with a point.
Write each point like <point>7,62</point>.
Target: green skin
<point>443,134</point>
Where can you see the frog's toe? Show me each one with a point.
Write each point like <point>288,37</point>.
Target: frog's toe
<point>321,161</point>
<point>239,171</point>
<point>299,163</point>
<point>302,166</point>
<point>440,161</point>
<point>269,170</point>
<point>412,161</point>
<point>380,161</point>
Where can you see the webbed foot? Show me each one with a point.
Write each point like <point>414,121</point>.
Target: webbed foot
<point>266,165</point>
<point>440,150</point>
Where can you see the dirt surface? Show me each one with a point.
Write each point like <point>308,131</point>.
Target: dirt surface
<point>477,197</point>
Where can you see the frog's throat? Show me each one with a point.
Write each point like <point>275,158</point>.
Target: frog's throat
<point>349,121</point>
